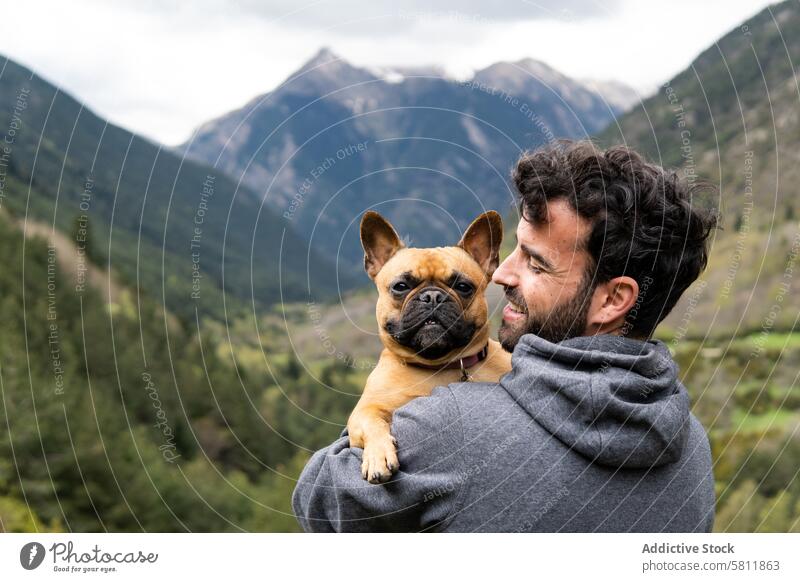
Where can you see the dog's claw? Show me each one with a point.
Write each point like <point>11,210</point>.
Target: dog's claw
<point>380,461</point>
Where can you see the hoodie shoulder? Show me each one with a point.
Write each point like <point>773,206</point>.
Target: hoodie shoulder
<point>479,399</point>
<point>696,479</point>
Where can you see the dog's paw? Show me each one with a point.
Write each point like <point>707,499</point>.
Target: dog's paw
<point>380,460</point>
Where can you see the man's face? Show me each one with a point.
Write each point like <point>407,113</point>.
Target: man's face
<point>544,278</point>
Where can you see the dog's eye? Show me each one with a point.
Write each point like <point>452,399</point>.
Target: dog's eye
<point>400,287</point>
<point>463,287</point>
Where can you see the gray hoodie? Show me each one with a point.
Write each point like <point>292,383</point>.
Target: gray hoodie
<point>590,434</point>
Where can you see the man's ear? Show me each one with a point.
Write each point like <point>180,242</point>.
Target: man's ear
<point>482,240</point>
<point>611,304</point>
<point>380,242</point>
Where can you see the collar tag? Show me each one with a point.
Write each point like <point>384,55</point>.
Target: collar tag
<point>465,377</point>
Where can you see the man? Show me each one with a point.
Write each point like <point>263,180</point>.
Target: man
<point>591,430</point>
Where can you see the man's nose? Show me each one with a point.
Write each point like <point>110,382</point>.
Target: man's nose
<point>504,274</point>
<point>432,295</point>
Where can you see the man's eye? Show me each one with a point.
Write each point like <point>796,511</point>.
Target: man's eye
<point>400,287</point>
<point>535,268</point>
<point>463,287</point>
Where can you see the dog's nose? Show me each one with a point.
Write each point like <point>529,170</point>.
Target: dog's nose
<point>432,295</point>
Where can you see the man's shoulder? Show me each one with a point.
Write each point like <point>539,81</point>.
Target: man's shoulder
<point>430,433</point>
<point>459,402</point>
<point>440,406</point>
<point>697,445</point>
<point>479,399</point>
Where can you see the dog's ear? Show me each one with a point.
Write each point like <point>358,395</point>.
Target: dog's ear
<point>482,240</point>
<point>380,242</point>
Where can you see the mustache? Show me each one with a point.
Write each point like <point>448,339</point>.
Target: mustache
<point>513,295</point>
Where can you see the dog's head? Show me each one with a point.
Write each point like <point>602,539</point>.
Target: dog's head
<point>431,304</point>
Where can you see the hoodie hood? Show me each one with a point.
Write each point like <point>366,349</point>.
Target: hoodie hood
<point>615,400</point>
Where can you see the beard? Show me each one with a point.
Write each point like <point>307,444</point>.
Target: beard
<point>563,321</point>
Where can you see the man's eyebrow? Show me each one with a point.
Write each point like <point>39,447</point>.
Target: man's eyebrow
<point>539,258</point>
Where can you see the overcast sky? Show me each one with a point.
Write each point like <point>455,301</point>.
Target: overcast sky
<point>161,68</point>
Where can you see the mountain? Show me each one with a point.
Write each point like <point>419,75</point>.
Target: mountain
<point>619,95</point>
<point>538,82</point>
<point>430,152</point>
<point>177,229</point>
<point>732,118</point>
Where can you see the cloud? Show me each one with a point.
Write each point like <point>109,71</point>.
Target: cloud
<point>163,68</point>
<point>381,17</point>
<point>332,13</point>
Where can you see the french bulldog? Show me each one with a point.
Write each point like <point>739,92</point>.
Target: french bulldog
<point>433,322</point>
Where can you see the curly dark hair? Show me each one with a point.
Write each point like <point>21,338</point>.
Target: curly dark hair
<point>647,223</point>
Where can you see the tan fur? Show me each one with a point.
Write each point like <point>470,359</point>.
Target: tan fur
<point>397,378</point>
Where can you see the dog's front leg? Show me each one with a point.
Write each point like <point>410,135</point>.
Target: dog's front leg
<point>369,429</point>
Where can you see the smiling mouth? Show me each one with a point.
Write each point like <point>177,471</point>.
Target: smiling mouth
<point>514,307</point>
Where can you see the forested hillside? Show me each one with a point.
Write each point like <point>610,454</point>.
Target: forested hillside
<point>169,225</point>
<point>115,417</point>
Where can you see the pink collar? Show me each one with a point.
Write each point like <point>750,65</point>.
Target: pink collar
<point>462,363</point>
